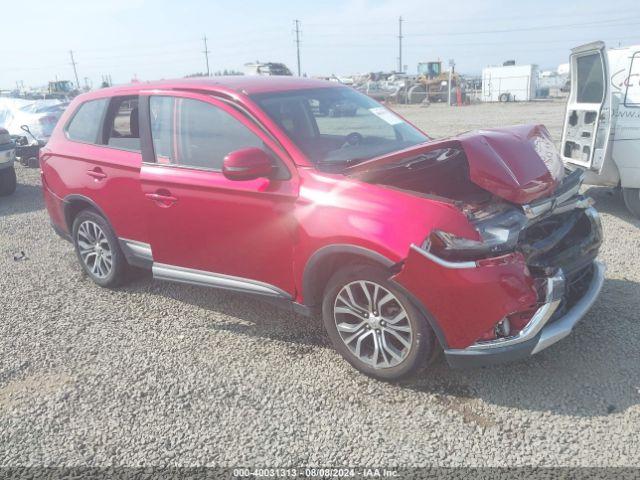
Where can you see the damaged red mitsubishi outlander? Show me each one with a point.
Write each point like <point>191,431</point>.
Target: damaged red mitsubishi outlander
<point>311,194</point>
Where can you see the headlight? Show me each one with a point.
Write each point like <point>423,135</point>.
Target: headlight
<point>546,150</point>
<point>498,235</point>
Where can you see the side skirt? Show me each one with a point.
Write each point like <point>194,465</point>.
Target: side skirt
<point>217,280</point>
<point>137,253</point>
<point>140,255</point>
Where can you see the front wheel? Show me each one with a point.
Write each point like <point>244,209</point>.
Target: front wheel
<point>632,200</point>
<point>373,324</point>
<point>8,181</point>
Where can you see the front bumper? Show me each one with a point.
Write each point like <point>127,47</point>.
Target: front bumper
<point>543,330</point>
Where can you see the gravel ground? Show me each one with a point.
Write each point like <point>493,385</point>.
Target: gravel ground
<point>157,374</point>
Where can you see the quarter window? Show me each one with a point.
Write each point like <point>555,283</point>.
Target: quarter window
<point>86,124</point>
<point>194,133</point>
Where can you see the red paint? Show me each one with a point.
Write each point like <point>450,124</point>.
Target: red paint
<point>468,302</point>
<point>267,230</point>
<point>502,161</point>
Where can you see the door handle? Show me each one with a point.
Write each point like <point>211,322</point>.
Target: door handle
<point>97,173</point>
<point>164,199</point>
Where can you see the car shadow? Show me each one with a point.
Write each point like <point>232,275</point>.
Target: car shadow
<point>26,198</point>
<point>590,373</point>
<point>609,200</point>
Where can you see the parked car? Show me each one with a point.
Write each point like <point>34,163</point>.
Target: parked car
<point>479,245</point>
<point>39,115</point>
<point>7,170</point>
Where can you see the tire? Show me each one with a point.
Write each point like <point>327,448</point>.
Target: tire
<point>8,181</point>
<point>105,263</point>
<point>395,359</point>
<point>632,200</point>
<point>505,97</point>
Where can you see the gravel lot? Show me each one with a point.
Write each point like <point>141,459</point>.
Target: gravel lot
<point>156,374</point>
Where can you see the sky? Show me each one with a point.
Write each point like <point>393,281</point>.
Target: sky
<point>153,39</point>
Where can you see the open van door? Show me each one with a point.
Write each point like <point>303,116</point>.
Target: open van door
<point>585,137</point>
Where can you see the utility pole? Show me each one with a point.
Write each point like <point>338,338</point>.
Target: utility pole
<point>297,30</point>
<point>400,44</point>
<point>75,71</point>
<point>206,53</point>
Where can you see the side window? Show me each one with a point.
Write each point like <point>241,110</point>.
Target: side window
<point>86,124</point>
<point>122,124</point>
<point>632,93</point>
<point>197,135</point>
<point>590,78</point>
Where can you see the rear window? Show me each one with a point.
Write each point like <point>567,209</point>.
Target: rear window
<point>590,79</point>
<point>86,124</point>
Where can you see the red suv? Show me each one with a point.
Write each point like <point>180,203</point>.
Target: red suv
<point>479,245</point>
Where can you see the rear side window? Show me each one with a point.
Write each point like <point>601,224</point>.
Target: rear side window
<point>196,134</point>
<point>122,124</point>
<point>86,124</point>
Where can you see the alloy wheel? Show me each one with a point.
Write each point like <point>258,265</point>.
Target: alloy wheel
<point>373,324</point>
<point>94,249</point>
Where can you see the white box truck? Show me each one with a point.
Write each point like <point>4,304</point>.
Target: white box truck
<point>601,131</point>
<point>509,83</point>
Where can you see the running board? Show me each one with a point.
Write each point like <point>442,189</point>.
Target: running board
<point>201,278</point>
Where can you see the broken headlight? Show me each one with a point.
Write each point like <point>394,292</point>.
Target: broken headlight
<point>498,235</point>
<point>546,150</point>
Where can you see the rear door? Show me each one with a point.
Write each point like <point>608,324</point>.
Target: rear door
<point>204,228</point>
<point>585,137</point>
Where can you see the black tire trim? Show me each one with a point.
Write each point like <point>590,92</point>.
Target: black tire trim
<point>69,199</point>
<point>310,269</point>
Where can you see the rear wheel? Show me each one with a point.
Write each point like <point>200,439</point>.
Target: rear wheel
<point>373,324</point>
<point>8,181</point>
<point>97,249</point>
<point>632,200</point>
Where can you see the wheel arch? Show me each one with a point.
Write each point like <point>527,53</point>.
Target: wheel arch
<point>74,204</point>
<point>322,264</point>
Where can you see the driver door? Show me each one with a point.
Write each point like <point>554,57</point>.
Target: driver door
<point>204,228</point>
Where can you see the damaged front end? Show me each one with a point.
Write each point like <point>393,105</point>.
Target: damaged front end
<point>530,274</point>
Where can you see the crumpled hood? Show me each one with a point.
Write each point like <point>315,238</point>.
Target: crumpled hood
<point>502,161</point>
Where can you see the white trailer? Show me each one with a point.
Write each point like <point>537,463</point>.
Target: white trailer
<point>602,122</point>
<point>510,83</point>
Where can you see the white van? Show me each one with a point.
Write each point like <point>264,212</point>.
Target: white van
<point>602,123</point>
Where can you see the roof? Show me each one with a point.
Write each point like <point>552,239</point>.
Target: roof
<point>245,84</point>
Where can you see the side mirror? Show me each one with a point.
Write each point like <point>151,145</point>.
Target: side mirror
<point>247,164</point>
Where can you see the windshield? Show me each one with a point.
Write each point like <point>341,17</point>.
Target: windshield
<point>338,127</point>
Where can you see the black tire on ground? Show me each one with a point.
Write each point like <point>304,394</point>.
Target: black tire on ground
<point>505,97</point>
<point>118,272</point>
<point>8,181</point>
<point>424,345</point>
<point>632,200</point>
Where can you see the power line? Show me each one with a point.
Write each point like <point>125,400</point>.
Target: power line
<point>75,71</point>
<point>297,30</point>
<point>612,22</point>
<point>400,43</point>
<point>206,53</point>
